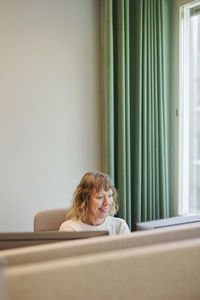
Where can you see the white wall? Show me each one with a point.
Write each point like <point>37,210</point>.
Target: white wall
<point>49,104</point>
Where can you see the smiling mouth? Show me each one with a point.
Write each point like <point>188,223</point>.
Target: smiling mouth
<point>104,210</point>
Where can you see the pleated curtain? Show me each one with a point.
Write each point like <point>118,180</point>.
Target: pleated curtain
<point>135,96</point>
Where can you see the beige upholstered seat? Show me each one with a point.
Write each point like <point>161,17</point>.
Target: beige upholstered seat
<point>50,219</point>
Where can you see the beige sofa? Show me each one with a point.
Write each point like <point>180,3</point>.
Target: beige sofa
<point>101,244</point>
<point>161,271</point>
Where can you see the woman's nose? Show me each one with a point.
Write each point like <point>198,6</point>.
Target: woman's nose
<point>106,201</point>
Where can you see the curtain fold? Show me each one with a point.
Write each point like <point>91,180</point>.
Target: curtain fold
<point>134,106</point>
<point>116,99</point>
<point>107,80</point>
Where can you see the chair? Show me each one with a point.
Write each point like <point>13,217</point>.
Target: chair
<point>50,219</point>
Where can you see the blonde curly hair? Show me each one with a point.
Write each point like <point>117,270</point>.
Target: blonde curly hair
<point>91,181</point>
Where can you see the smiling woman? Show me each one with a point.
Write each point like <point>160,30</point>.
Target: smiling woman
<point>99,206</point>
<point>94,201</point>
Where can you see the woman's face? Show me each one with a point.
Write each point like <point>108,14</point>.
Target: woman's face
<point>99,205</point>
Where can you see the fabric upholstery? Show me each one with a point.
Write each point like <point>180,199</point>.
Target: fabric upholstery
<point>163,271</point>
<point>100,244</point>
<point>50,219</point>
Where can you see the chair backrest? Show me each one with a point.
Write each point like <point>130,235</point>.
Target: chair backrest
<point>50,219</point>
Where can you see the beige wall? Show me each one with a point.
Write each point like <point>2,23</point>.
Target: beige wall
<point>49,104</point>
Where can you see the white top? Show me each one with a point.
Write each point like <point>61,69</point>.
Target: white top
<point>111,224</point>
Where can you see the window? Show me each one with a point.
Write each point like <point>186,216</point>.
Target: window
<point>189,109</point>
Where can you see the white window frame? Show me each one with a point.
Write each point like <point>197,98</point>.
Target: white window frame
<point>183,153</point>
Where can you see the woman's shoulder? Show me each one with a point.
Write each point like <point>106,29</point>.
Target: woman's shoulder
<point>69,225</point>
<point>119,223</point>
<point>68,222</point>
<point>116,220</point>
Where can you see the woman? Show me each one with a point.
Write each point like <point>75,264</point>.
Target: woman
<point>95,199</point>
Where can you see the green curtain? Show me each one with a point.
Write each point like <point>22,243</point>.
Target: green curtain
<point>116,99</point>
<point>135,98</point>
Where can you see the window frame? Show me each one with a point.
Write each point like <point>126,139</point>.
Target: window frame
<point>183,106</point>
